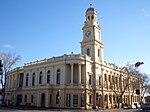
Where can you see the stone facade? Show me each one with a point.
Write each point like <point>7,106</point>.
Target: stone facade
<point>73,80</point>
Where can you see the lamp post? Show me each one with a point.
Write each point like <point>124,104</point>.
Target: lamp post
<point>85,98</point>
<point>59,97</point>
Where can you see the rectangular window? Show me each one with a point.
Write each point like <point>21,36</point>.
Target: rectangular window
<point>82,99</point>
<point>75,99</point>
<point>97,96</point>
<point>90,79</point>
<point>68,100</point>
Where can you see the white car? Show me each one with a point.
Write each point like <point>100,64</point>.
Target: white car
<point>132,106</point>
<point>138,106</point>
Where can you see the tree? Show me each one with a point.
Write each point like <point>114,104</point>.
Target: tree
<point>143,79</point>
<point>124,83</point>
<point>8,60</point>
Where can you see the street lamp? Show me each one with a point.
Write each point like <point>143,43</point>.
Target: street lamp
<point>59,97</point>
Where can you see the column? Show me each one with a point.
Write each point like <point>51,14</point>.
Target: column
<point>72,73</point>
<point>118,82</point>
<point>47,99</point>
<point>30,78</point>
<point>18,78</point>
<point>64,75</point>
<point>79,74</point>
<point>24,80</point>
<point>107,100</point>
<point>112,100</point>
<point>38,99</point>
<point>37,78</point>
<point>44,79</point>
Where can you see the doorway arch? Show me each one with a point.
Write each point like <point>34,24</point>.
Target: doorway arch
<point>19,99</point>
<point>43,100</point>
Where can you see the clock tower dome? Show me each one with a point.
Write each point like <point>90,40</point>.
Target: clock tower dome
<point>91,44</point>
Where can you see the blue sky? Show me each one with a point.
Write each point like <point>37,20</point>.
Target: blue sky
<point>38,29</point>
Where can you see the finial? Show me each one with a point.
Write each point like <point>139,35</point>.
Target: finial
<point>90,3</point>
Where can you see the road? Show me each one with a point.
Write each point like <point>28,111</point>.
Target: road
<point>20,109</point>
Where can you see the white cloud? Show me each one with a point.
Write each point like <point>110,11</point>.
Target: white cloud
<point>146,13</point>
<point>8,46</point>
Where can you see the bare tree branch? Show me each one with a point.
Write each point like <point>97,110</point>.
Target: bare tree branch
<point>8,60</point>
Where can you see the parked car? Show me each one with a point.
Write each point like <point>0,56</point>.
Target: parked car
<point>3,105</point>
<point>138,106</point>
<point>132,106</point>
<point>146,106</point>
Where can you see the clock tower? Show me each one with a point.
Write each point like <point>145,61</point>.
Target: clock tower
<point>91,44</point>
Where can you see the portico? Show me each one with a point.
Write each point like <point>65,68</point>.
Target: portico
<point>75,73</point>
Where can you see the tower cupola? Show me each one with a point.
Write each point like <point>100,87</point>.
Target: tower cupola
<point>91,44</point>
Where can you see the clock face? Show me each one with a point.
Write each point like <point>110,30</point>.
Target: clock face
<point>88,33</point>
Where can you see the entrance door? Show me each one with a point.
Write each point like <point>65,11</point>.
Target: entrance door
<point>19,99</point>
<point>43,100</point>
<point>100,100</point>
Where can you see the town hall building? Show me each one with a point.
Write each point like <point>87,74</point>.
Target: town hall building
<point>81,80</point>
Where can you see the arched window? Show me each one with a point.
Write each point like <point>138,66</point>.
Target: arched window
<point>98,52</point>
<point>58,77</point>
<point>40,78</point>
<point>89,18</point>
<point>27,79</point>
<point>105,77</point>
<point>92,17</point>
<point>88,52</point>
<point>48,76</point>
<point>90,79</point>
<point>33,79</point>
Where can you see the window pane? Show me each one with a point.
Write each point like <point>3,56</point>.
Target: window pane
<point>58,76</point>
<point>27,79</point>
<point>32,97</point>
<point>68,100</point>
<point>75,99</point>
<point>40,78</point>
<point>89,79</point>
<point>90,99</point>
<point>48,76</point>
<point>88,52</point>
